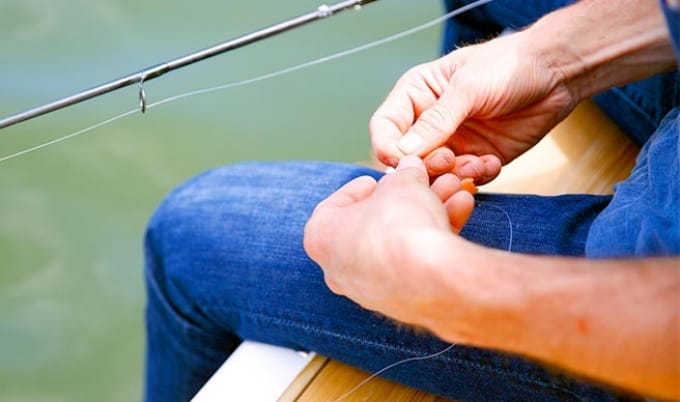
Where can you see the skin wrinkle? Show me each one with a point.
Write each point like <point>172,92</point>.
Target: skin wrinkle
<point>415,93</point>
<point>489,163</point>
<point>435,119</point>
<point>440,161</point>
<point>477,146</point>
<point>440,81</point>
<point>471,170</point>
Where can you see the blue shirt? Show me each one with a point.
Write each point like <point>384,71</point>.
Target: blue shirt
<point>643,218</point>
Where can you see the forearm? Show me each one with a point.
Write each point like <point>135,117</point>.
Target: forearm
<point>599,44</point>
<point>614,321</point>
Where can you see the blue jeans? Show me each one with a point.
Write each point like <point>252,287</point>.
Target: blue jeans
<point>224,262</point>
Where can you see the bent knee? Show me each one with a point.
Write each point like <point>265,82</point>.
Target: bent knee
<point>243,209</point>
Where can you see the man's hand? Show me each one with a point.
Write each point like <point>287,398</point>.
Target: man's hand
<point>481,106</point>
<point>473,110</point>
<point>390,246</point>
<point>377,242</point>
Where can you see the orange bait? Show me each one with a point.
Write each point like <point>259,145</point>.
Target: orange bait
<point>468,185</point>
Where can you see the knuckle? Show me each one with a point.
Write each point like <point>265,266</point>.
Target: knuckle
<point>333,285</point>
<point>313,240</point>
<point>374,123</point>
<point>413,73</point>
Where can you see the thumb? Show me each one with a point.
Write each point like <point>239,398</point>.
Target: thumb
<point>351,193</point>
<point>412,166</point>
<point>411,169</point>
<point>436,124</point>
<point>318,232</point>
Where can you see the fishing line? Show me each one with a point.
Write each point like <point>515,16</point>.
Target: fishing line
<point>441,352</point>
<point>335,56</point>
<point>510,233</point>
<point>68,136</point>
<point>395,364</point>
<point>278,73</point>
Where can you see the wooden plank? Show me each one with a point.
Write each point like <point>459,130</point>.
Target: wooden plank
<point>302,381</point>
<point>586,153</point>
<point>337,380</point>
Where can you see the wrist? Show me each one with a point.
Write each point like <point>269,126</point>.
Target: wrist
<point>549,44</point>
<point>595,45</point>
<point>490,301</point>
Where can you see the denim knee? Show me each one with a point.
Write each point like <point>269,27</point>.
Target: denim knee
<point>177,237</point>
<point>231,220</point>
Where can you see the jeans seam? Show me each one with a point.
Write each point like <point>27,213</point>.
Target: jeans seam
<point>357,340</point>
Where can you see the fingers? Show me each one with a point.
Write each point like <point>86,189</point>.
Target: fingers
<point>445,186</point>
<point>436,124</point>
<point>318,229</point>
<point>482,169</point>
<point>440,161</point>
<point>352,192</point>
<point>411,167</point>
<point>458,201</point>
<point>415,92</point>
<point>385,133</point>
<point>459,208</point>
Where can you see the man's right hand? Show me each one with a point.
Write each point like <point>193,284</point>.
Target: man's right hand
<point>473,110</point>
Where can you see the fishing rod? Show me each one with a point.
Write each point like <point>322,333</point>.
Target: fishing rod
<point>147,74</point>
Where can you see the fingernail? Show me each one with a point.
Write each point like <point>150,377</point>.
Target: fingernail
<point>410,143</point>
<point>410,161</point>
<point>490,168</point>
<point>470,170</point>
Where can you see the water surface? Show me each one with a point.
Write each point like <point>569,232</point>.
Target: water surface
<point>72,216</point>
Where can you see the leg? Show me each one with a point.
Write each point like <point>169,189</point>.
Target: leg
<point>643,218</point>
<point>225,262</point>
<point>637,108</point>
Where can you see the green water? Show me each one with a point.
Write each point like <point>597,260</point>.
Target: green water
<point>72,215</point>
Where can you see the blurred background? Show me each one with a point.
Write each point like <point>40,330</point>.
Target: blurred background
<point>72,216</point>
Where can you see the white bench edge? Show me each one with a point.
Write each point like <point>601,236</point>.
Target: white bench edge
<point>255,372</point>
